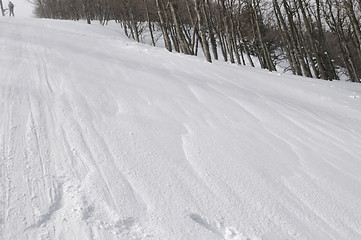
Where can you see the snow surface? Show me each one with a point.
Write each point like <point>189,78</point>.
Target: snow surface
<point>104,138</point>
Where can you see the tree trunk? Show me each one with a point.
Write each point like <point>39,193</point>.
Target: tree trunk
<point>2,8</point>
<point>295,65</point>
<point>210,27</point>
<point>201,26</point>
<point>226,24</point>
<point>295,41</point>
<point>313,47</point>
<point>354,22</point>
<point>180,36</point>
<point>160,10</point>
<point>149,22</point>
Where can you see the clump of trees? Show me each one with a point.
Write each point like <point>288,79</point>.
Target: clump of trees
<point>316,36</point>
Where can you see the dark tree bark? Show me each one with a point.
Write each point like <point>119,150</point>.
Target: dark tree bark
<point>180,36</point>
<point>198,5</point>
<point>162,23</point>
<point>149,22</point>
<point>2,8</point>
<point>210,27</point>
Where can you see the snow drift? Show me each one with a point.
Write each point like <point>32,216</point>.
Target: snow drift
<point>104,138</point>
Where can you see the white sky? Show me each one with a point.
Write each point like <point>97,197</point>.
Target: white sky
<point>23,8</point>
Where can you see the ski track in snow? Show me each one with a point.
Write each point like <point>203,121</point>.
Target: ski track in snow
<point>103,138</point>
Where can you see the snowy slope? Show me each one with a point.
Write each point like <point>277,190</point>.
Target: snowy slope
<point>103,138</point>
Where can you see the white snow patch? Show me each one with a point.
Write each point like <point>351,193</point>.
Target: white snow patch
<point>104,138</point>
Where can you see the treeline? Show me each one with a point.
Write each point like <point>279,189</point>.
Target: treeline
<point>316,36</point>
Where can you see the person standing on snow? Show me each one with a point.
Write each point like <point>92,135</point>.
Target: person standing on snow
<point>11,8</point>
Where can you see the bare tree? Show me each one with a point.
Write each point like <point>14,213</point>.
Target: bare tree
<point>291,29</point>
<point>2,8</point>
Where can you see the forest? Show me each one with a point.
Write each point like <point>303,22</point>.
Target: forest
<point>318,38</point>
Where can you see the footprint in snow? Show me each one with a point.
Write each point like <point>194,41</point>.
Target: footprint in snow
<point>226,233</point>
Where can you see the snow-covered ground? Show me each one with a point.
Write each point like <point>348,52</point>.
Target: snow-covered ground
<point>104,138</point>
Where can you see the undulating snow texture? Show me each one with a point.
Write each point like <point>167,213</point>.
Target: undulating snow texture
<point>104,138</point>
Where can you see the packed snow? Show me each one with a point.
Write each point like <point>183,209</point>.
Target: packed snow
<point>105,138</point>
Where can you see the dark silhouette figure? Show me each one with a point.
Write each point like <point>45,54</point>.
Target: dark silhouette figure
<point>11,9</point>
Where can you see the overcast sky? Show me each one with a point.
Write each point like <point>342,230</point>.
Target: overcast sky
<point>23,8</point>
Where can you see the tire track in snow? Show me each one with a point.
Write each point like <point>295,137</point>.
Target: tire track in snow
<point>220,229</point>
<point>109,194</point>
<point>32,195</point>
<point>44,188</point>
<point>59,199</point>
<point>5,113</point>
<point>14,193</point>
